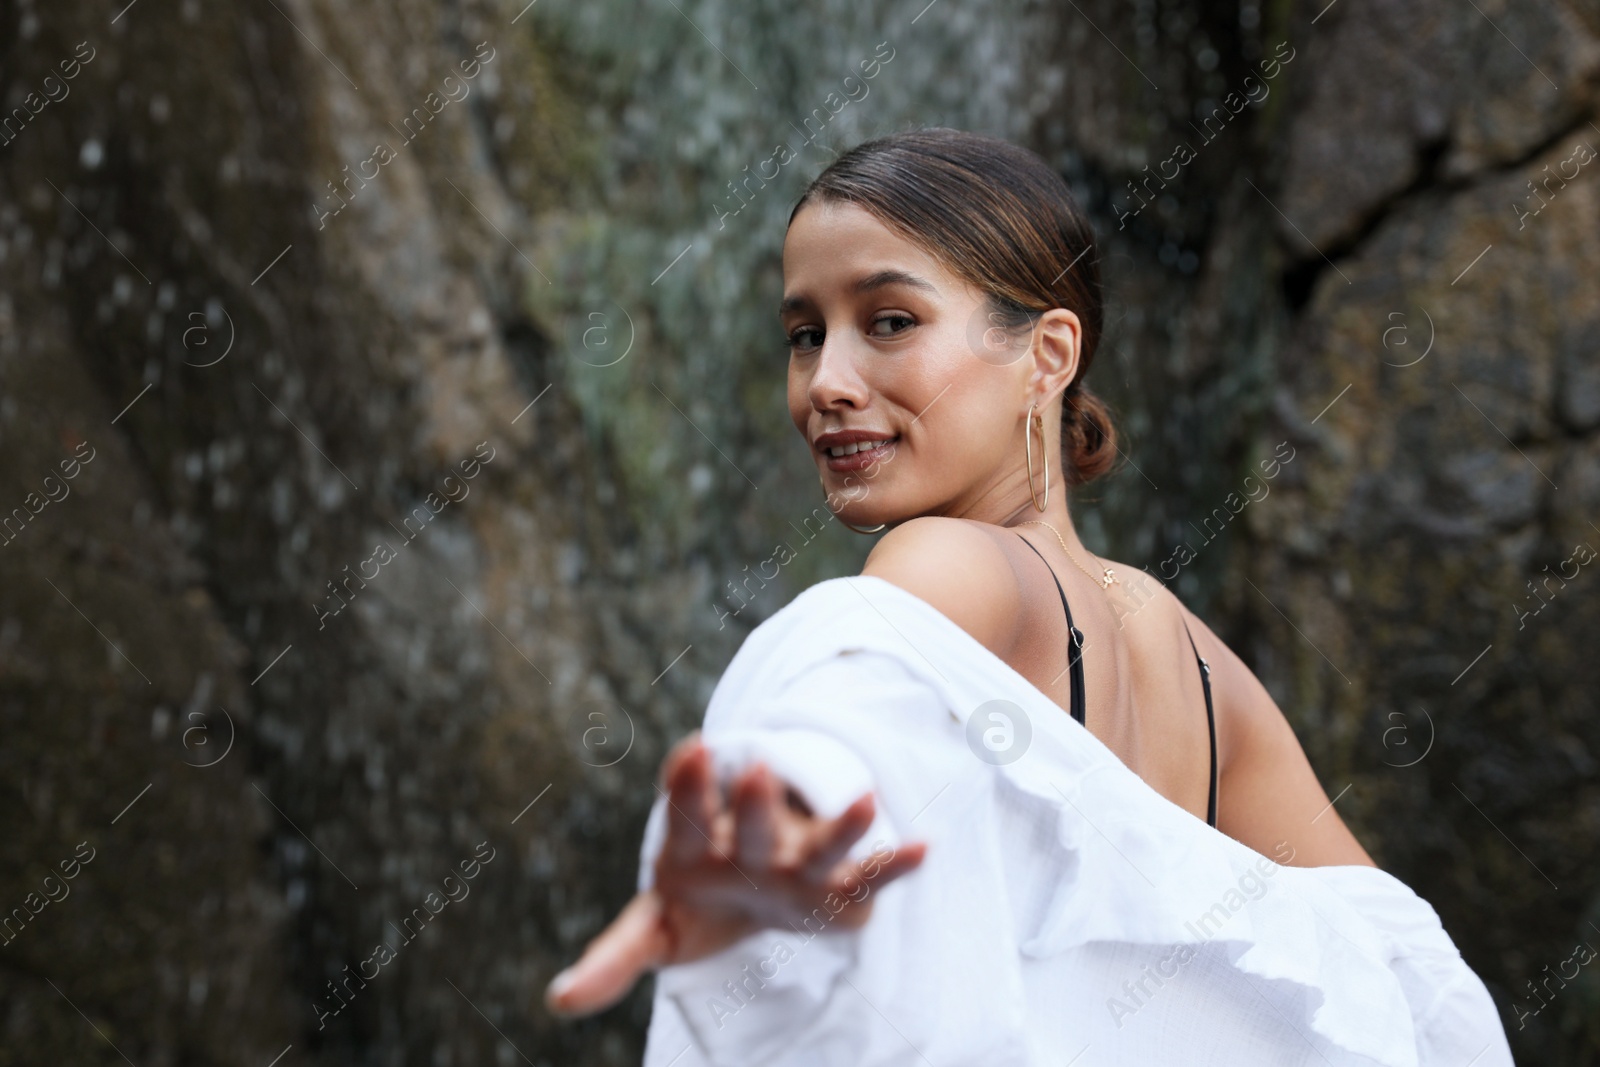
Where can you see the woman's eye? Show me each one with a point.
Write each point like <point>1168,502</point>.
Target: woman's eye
<point>905,319</point>
<point>797,339</point>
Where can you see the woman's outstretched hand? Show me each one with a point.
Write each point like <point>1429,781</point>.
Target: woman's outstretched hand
<point>725,871</point>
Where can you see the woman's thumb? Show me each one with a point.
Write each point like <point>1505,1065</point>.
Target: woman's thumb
<point>635,942</point>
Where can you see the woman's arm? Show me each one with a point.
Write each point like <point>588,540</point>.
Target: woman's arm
<point>729,865</point>
<point>1267,792</point>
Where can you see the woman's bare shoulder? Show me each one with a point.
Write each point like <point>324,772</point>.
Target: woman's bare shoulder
<point>958,567</point>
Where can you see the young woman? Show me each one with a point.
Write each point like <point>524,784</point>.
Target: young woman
<point>997,800</point>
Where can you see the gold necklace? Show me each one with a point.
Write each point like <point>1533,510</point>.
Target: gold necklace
<point>1105,581</point>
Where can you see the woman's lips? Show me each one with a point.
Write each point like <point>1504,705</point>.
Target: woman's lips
<point>881,452</point>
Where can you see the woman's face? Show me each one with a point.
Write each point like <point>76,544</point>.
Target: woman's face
<point>892,353</point>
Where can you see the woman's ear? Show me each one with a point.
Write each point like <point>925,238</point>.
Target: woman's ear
<point>1056,345</point>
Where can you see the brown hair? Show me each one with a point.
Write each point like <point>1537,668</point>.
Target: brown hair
<point>998,216</point>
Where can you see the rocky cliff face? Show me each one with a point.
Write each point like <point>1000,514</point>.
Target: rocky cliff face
<point>389,395</point>
<point>1438,543</point>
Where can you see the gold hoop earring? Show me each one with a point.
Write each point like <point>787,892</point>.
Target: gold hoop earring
<point>1034,416</point>
<point>857,529</point>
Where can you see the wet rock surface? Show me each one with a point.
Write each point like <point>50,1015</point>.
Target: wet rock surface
<point>395,413</point>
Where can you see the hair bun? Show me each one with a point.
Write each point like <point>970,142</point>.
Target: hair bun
<point>1088,437</point>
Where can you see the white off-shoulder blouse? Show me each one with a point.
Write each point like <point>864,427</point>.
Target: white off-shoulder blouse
<point>1065,914</point>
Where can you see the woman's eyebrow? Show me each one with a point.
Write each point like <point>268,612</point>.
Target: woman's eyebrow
<point>876,280</point>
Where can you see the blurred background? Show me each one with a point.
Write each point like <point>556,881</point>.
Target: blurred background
<point>393,453</point>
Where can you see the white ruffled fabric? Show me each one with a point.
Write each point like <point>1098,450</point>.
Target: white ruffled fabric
<point>1066,913</point>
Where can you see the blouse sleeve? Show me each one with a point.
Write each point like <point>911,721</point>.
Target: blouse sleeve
<point>857,722</point>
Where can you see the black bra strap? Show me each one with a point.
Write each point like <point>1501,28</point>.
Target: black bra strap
<point>1211,725</point>
<point>1074,643</point>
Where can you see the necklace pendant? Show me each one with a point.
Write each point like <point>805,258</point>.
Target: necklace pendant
<point>1109,580</point>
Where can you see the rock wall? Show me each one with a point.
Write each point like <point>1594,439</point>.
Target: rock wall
<point>390,397</point>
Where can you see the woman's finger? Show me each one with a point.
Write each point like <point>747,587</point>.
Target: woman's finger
<point>756,803</point>
<point>858,880</point>
<point>692,805</point>
<point>835,837</point>
<point>635,941</point>
<point>906,858</point>
<point>676,755</point>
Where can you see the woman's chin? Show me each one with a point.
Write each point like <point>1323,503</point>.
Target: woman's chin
<point>843,498</point>
<point>858,514</point>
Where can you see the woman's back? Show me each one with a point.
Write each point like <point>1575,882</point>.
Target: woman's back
<point>1144,691</point>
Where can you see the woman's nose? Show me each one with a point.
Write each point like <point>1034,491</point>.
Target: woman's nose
<point>836,380</point>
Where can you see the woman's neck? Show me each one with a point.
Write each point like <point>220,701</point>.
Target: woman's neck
<point>1055,515</point>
